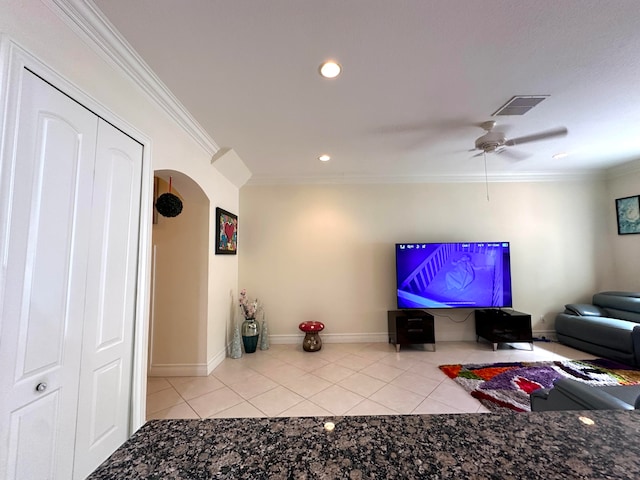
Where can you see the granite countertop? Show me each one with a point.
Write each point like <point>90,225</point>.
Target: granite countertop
<point>546,445</point>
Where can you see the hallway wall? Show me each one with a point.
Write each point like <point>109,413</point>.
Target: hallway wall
<point>178,330</point>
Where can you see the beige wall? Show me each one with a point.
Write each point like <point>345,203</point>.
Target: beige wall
<point>327,252</point>
<point>34,26</point>
<point>178,326</point>
<point>625,248</point>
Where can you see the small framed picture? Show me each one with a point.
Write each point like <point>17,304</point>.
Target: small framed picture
<point>628,215</point>
<point>226,232</point>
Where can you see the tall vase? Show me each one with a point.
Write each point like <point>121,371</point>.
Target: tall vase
<point>250,335</point>
<point>264,335</point>
<point>236,345</point>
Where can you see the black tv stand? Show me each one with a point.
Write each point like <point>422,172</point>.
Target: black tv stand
<point>408,327</point>
<point>502,326</point>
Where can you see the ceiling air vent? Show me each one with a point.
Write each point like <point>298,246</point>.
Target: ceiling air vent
<point>520,104</point>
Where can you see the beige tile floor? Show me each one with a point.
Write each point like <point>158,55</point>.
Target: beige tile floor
<point>340,379</point>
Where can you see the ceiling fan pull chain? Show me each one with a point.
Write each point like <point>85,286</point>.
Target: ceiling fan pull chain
<point>486,177</point>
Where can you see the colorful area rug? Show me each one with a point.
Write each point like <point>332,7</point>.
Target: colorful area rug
<point>501,386</point>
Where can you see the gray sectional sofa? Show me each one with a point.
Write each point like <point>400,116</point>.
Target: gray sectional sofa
<point>608,327</point>
<point>570,394</point>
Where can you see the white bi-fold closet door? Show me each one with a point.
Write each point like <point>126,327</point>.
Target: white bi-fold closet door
<point>68,298</point>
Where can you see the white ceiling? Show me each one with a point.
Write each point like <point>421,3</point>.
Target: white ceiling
<point>418,76</point>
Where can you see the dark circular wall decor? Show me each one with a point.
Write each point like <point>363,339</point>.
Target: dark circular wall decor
<point>169,205</point>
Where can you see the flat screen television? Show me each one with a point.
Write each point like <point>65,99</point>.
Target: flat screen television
<point>453,275</point>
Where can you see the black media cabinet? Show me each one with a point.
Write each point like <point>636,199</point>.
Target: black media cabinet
<point>503,326</point>
<point>407,327</point>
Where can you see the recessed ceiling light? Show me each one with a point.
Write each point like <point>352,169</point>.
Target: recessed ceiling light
<point>330,69</point>
<point>324,158</point>
<point>560,155</point>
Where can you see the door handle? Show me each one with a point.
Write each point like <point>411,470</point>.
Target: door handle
<point>41,387</point>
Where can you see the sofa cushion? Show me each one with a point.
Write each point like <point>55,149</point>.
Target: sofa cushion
<point>608,332</point>
<point>624,305</point>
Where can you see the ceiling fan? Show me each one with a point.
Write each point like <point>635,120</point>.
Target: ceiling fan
<point>496,142</point>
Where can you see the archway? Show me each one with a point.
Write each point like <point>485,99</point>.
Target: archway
<point>179,285</point>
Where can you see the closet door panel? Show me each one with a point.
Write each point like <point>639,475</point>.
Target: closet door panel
<point>105,381</point>
<point>30,418</point>
<point>42,305</point>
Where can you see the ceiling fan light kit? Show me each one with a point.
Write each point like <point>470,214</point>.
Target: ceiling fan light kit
<point>491,140</point>
<point>495,141</point>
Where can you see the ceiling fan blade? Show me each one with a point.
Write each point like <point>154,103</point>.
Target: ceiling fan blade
<point>435,126</point>
<point>556,132</point>
<point>513,154</point>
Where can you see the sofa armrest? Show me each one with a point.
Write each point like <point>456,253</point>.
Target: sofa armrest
<point>538,399</point>
<point>584,397</point>
<point>584,310</point>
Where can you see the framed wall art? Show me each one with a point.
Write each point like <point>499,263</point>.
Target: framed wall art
<point>226,232</point>
<point>628,215</point>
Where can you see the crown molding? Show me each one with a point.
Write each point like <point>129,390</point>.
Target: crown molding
<point>84,17</point>
<point>419,179</point>
<point>624,169</point>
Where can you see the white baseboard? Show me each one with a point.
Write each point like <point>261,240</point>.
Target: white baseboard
<point>179,370</point>
<point>202,370</point>
<point>384,337</point>
<point>216,360</point>
<point>332,338</point>
<point>187,369</point>
<point>547,334</point>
